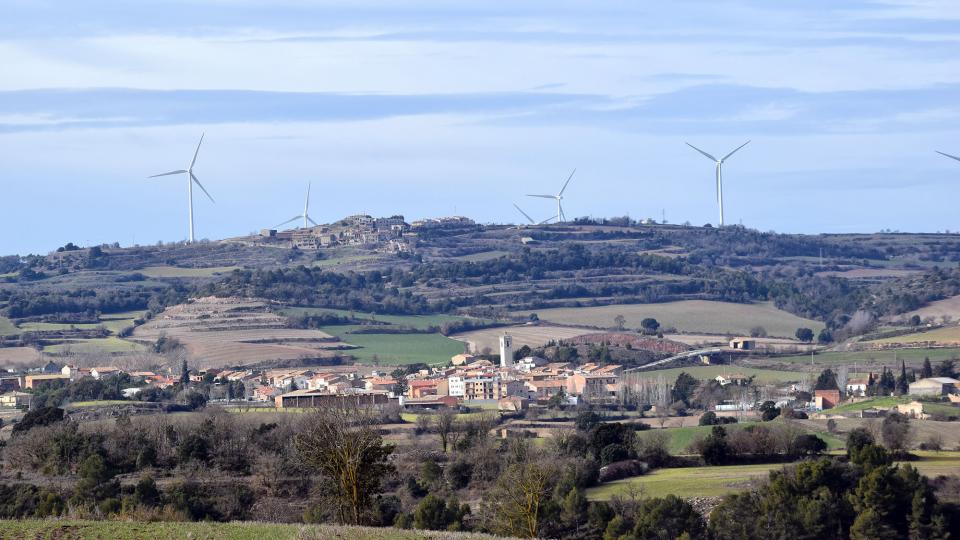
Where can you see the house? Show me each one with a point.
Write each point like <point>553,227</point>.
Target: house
<point>264,392</point>
<point>743,344</point>
<point>935,386</point>
<point>456,386</point>
<point>737,378</point>
<point>103,371</point>
<point>914,409</point>
<point>379,384</point>
<point>530,362</point>
<point>420,388</point>
<point>857,387</point>
<point>513,404</point>
<point>50,368</point>
<point>18,400</point>
<point>462,359</point>
<point>9,383</point>
<point>826,399</point>
<point>37,381</point>
<point>593,385</point>
<point>547,388</point>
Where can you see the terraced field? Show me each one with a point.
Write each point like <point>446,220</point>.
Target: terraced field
<point>7,328</point>
<point>107,345</point>
<point>177,272</point>
<point>419,322</point>
<point>19,357</point>
<point>690,316</point>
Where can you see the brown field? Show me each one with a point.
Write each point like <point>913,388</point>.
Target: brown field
<point>869,273</point>
<point>687,316</point>
<point>948,335</point>
<point>227,331</point>
<point>19,357</point>
<point>532,336</point>
<point>948,306</point>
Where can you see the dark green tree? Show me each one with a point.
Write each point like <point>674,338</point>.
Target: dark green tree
<point>668,517</point>
<point>804,334</point>
<point>927,370</point>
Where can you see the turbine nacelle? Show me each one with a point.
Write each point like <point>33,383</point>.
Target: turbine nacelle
<point>191,179</point>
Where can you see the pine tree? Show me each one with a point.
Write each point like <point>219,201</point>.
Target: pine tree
<point>927,370</point>
<point>903,385</point>
<point>184,373</point>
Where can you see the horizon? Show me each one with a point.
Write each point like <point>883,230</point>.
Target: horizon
<point>442,110</point>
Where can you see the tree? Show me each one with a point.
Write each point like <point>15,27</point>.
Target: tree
<point>758,331</point>
<point>827,380</point>
<point>825,336</point>
<point>903,383</point>
<point>184,372</point>
<point>927,370</point>
<point>715,449</point>
<point>520,495</point>
<point>669,517</point>
<point>804,334</point>
<point>915,320</point>
<point>895,431</point>
<point>769,411</point>
<point>344,446</point>
<point>401,386</point>
<point>684,387</point>
<point>857,439</point>
<point>947,368</point>
<point>444,424</point>
<point>620,321</point>
<point>649,325</point>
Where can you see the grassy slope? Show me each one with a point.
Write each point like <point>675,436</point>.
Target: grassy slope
<point>106,345</point>
<point>123,530</point>
<point>175,272</point>
<point>688,316</point>
<point>7,328</point>
<point>400,348</point>
<point>948,334</point>
<point>412,321</point>
<point>681,437</point>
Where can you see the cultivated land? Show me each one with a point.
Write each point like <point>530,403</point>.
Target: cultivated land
<point>420,322</point>
<point>22,357</point>
<point>948,335</point>
<point>177,272</point>
<point>107,345</point>
<point>7,328</point>
<point>391,349</point>
<point>125,530</point>
<point>948,306</point>
<point>532,336</point>
<point>686,316</point>
<point>705,373</point>
<point>863,359</point>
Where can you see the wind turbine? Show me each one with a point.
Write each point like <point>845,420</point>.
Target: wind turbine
<point>560,217</point>
<point>719,163</point>
<point>191,178</point>
<point>947,155</point>
<point>306,213</point>
<point>530,219</point>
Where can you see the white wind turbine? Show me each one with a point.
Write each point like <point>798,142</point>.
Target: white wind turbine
<point>947,155</point>
<point>306,213</point>
<point>191,178</point>
<point>719,163</point>
<point>560,217</point>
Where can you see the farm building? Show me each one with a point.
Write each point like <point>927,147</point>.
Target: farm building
<point>19,400</point>
<point>462,359</point>
<point>857,387</point>
<point>37,381</point>
<point>935,386</point>
<point>743,344</point>
<point>316,398</point>
<point>826,399</point>
<point>430,403</point>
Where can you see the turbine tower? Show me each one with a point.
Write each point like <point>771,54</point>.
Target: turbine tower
<point>306,213</point>
<point>191,178</point>
<point>560,217</point>
<point>719,163</point>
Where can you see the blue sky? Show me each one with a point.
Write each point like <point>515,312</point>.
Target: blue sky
<point>431,108</point>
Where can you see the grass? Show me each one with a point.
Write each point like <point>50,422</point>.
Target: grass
<point>106,345</point>
<point>175,272</point>
<point>686,482</point>
<point>682,437</point>
<point>880,402</point>
<point>392,349</point>
<point>97,403</point>
<point>7,328</point>
<point>718,481</point>
<point>127,530</point>
<point>113,322</point>
<point>687,316</point>
<point>710,372</point>
<point>420,322</point>
<point>890,357</point>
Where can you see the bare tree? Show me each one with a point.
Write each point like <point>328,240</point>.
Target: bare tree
<point>444,423</point>
<point>842,375</point>
<point>620,321</point>
<point>343,445</point>
<point>520,495</point>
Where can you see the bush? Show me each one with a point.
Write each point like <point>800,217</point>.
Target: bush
<point>623,469</point>
<point>44,416</point>
<point>613,453</point>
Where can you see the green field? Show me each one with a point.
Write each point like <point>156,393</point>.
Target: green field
<point>879,402</point>
<point>419,322</point>
<point>889,357</point>
<point>686,482</point>
<point>690,316</point>
<point>7,327</point>
<point>391,349</point>
<point>105,345</point>
<point>682,437</point>
<point>56,327</point>
<point>126,530</point>
<point>98,403</point>
<point>710,372</point>
<point>717,481</point>
<point>947,334</point>
<point>176,272</point>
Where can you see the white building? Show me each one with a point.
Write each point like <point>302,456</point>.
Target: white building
<point>456,386</point>
<point>506,351</point>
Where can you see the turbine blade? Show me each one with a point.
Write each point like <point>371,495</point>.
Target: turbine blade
<point>735,151</point>
<point>167,173</point>
<point>294,218</point>
<point>711,158</point>
<point>530,219</point>
<point>567,182</point>
<point>548,220</point>
<point>203,188</point>
<point>306,205</point>
<point>310,219</point>
<point>947,155</point>
<point>544,196</point>
<point>197,151</point>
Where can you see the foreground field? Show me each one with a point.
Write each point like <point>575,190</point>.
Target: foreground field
<point>125,530</point>
<point>716,481</point>
<point>687,316</point>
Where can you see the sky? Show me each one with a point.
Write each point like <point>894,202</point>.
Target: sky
<point>429,108</point>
